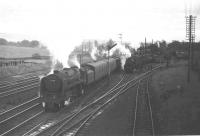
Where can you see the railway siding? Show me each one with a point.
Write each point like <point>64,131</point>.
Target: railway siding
<point>13,121</point>
<point>143,120</point>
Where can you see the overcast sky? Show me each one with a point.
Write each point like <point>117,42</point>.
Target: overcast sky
<point>71,21</point>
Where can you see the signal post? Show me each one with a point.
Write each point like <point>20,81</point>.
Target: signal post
<point>190,35</point>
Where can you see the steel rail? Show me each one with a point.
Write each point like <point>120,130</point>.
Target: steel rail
<point>20,113</point>
<point>2,83</point>
<point>136,103</point>
<point>149,102</point>
<point>16,84</point>
<point>12,110</point>
<point>22,123</point>
<point>149,105</point>
<point>40,70</point>
<point>18,90</point>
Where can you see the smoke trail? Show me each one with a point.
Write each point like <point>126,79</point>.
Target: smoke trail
<point>124,53</point>
<point>73,61</point>
<point>94,52</point>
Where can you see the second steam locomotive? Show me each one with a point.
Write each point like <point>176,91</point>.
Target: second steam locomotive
<point>67,84</point>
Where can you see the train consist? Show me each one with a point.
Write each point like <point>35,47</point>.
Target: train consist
<point>69,83</point>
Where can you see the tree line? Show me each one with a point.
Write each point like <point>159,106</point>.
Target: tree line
<point>162,47</point>
<point>101,51</point>
<point>23,43</point>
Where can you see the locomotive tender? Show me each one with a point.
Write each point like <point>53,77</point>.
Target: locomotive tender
<point>69,83</point>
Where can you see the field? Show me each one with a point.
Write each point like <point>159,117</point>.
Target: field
<point>28,66</point>
<point>20,52</point>
<point>23,69</point>
<point>176,103</point>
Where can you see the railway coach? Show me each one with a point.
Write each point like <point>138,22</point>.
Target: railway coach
<point>66,85</point>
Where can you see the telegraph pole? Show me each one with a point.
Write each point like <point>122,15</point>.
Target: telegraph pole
<point>145,44</point>
<point>192,52</point>
<point>190,35</point>
<point>81,55</point>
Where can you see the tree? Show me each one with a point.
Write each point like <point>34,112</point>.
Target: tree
<point>101,50</point>
<point>154,49</point>
<point>163,44</point>
<point>34,43</point>
<point>25,43</point>
<point>3,41</point>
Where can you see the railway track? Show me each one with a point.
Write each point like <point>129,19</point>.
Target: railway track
<point>13,95</point>
<point>11,123</point>
<point>75,121</point>
<point>9,80</point>
<point>15,110</point>
<point>81,127</point>
<point>18,80</point>
<point>143,121</point>
<point>14,119</point>
<point>77,118</point>
<point>101,91</point>
<point>9,117</point>
<point>19,90</point>
<point>19,84</point>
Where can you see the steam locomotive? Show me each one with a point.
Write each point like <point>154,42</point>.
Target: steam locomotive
<point>137,62</point>
<point>66,85</point>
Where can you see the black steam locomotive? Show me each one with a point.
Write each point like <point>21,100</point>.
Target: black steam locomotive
<point>66,85</point>
<point>137,62</point>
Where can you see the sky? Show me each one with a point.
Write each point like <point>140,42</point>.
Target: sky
<point>96,19</point>
<point>63,24</point>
